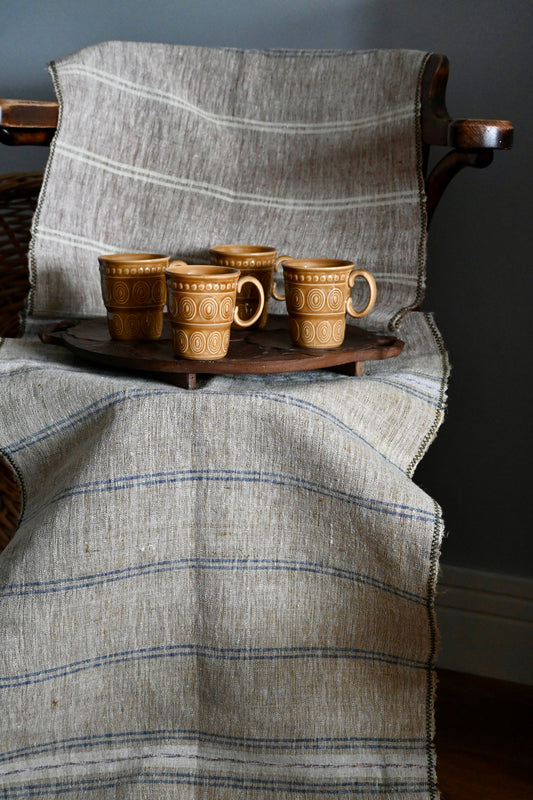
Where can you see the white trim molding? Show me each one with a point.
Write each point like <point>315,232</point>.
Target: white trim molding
<point>486,624</point>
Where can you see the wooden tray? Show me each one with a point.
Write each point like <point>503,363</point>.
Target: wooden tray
<point>251,351</point>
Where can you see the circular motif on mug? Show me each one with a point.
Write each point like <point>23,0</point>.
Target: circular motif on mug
<point>316,299</point>
<point>197,342</point>
<point>172,305</point>
<point>214,343</point>
<point>225,339</point>
<point>208,308</point>
<point>179,340</point>
<point>307,332</point>
<point>338,330</point>
<point>141,292</point>
<point>158,292</point>
<point>296,299</point>
<point>294,329</point>
<point>132,325</point>
<point>335,299</point>
<point>149,325</point>
<point>119,292</point>
<point>186,308</point>
<point>116,326</point>
<point>226,308</point>
<point>323,332</point>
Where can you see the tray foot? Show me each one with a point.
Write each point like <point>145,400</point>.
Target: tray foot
<point>183,380</point>
<point>352,368</point>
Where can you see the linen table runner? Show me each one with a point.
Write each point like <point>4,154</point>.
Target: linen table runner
<point>174,149</point>
<point>225,593</point>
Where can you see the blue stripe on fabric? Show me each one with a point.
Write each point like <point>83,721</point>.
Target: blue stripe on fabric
<point>308,406</point>
<point>212,653</point>
<point>191,778</point>
<point>92,410</point>
<point>230,564</point>
<point>108,401</point>
<point>244,743</point>
<point>128,482</point>
<point>419,394</point>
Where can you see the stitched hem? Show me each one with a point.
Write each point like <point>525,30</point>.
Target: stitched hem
<point>29,308</point>
<point>439,416</point>
<point>422,239</point>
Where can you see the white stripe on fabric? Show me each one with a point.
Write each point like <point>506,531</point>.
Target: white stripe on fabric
<point>247,123</point>
<point>83,242</point>
<point>230,196</point>
<point>309,765</point>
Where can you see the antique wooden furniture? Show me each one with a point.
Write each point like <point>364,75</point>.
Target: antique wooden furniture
<point>469,142</point>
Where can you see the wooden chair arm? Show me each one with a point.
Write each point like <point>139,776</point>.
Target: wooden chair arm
<point>473,140</point>
<point>438,128</point>
<point>27,121</point>
<point>475,134</point>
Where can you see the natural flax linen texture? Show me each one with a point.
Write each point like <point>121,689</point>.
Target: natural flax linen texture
<point>225,593</point>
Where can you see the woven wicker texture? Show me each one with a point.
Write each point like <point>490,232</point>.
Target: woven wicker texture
<point>18,198</point>
<point>10,503</point>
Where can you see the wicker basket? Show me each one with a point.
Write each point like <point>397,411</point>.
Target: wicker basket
<point>18,197</point>
<point>10,503</point>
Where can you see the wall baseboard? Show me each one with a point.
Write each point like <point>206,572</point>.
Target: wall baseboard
<point>485,622</point>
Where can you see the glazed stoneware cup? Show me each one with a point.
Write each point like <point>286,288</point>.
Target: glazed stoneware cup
<point>202,308</point>
<point>317,294</point>
<point>257,260</point>
<point>134,292</point>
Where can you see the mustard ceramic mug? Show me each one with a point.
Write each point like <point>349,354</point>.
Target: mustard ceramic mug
<point>318,299</point>
<point>257,260</point>
<point>202,304</point>
<point>134,293</point>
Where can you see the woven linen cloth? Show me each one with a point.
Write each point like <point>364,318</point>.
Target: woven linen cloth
<point>227,592</point>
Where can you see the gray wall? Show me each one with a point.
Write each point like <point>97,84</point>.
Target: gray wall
<point>481,243</point>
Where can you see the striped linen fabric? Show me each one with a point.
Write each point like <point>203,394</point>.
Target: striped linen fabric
<point>174,149</point>
<point>229,592</point>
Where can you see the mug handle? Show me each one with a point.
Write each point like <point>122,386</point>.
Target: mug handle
<point>178,264</point>
<point>276,294</point>
<point>369,278</point>
<point>245,323</point>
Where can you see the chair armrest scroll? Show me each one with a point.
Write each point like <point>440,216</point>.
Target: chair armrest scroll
<point>473,141</point>
<point>438,128</point>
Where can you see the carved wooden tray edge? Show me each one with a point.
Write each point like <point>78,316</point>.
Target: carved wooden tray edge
<point>252,351</point>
